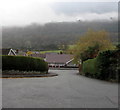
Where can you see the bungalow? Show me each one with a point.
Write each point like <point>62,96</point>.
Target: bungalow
<point>60,60</point>
<point>38,55</point>
<point>7,51</point>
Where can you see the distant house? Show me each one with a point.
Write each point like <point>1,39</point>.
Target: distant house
<point>38,55</point>
<point>21,53</point>
<point>7,51</point>
<point>60,60</point>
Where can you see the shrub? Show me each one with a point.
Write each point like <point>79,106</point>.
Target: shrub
<point>90,52</point>
<point>105,66</point>
<point>23,63</point>
<point>108,64</point>
<point>89,67</point>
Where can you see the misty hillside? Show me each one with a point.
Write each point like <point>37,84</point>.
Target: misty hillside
<point>51,35</point>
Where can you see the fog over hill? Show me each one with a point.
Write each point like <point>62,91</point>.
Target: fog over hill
<point>51,35</point>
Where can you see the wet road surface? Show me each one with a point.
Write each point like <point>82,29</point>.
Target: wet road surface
<point>67,90</point>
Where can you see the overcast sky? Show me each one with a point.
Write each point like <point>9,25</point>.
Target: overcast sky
<point>24,12</point>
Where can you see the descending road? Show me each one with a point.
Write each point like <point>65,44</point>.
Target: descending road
<point>67,90</point>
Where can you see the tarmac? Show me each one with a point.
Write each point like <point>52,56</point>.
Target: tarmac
<point>67,90</point>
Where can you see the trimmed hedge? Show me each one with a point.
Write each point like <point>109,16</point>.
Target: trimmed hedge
<point>108,64</point>
<point>89,67</point>
<point>105,66</point>
<point>23,63</point>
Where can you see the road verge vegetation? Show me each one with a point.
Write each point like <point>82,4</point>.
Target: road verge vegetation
<point>105,66</point>
<point>24,63</point>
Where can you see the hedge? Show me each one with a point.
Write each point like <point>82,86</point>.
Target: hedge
<point>108,65</point>
<point>23,63</point>
<point>89,67</point>
<point>105,66</point>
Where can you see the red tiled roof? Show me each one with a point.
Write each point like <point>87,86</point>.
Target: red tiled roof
<point>58,58</point>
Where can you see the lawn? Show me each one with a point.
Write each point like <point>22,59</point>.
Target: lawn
<point>51,51</point>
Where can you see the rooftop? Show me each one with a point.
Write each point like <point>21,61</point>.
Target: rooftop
<point>58,58</point>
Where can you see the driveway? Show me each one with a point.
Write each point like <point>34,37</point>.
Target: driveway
<point>67,90</point>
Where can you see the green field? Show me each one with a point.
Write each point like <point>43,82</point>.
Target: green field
<point>51,51</point>
<point>71,46</point>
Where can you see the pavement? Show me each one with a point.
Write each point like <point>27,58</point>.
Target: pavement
<point>67,90</point>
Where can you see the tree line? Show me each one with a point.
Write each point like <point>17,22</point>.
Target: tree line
<point>52,36</point>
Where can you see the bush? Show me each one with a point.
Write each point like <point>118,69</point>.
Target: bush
<point>105,66</point>
<point>89,67</point>
<point>108,64</point>
<point>90,53</point>
<point>23,63</point>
